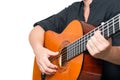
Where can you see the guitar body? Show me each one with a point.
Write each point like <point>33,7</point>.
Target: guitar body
<point>82,67</point>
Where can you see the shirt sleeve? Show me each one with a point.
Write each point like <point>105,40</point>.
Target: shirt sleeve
<point>56,22</point>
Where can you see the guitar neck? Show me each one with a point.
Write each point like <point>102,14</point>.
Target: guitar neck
<point>107,29</point>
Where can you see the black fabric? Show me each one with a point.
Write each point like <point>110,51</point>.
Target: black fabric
<point>110,71</point>
<point>100,11</point>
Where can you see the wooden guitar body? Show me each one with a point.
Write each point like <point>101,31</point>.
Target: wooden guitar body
<point>82,67</point>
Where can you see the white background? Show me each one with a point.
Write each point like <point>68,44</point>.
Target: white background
<point>16,21</point>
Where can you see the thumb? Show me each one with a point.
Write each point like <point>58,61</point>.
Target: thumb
<point>54,53</point>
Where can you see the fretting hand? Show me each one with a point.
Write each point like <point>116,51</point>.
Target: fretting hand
<point>98,46</point>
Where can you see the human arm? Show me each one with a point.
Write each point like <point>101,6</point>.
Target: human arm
<point>101,48</point>
<point>36,39</point>
<point>56,23</point>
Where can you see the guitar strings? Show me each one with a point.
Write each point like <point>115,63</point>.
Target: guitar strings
<point>64,59</point>
<point>64,53</point>
<point>101,27</point>
<point>105,27</point>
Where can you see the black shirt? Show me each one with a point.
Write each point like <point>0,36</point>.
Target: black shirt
<point>100,11</point>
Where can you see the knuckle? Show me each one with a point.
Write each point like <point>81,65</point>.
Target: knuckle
<point>95,54</point>
<point>45,69</point>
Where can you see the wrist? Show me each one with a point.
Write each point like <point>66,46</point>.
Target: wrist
<point>38,49</point>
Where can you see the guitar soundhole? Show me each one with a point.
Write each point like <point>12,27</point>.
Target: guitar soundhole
<point>64,44</point>
<point>59,60</point>
<point>62,63</point>
<point>63,52</point>
<point>56,60</point>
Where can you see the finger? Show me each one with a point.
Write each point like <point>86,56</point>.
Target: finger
<point>53,53</point>
<point>92,47</point>
<point>102,42</point>
<point>47,62</point>
<point>50,65</point>
<point>44,70</point>
<point>89,48</point>
<point>96,42</point>
<point>40,67</point>
<point>100,37</point>
<point>48,70</point>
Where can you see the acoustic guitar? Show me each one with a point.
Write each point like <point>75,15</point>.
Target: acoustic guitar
<point>74,61</point>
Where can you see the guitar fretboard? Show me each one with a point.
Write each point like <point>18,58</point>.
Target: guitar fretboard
<point>107,29</point>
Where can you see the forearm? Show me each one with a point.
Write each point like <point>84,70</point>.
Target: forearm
<point>114,55</point>
<point>36,38</point>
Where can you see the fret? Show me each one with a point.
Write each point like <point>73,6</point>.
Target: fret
<point>72,55</point>
<point>107,30</point>
<point>119,21</point>
<point>69,52</point>
<point>73,50</point>
<point>110,30</point>
<point>116,24</point>
<point>64,55</point>
<point>116,27</point>
<point>91,34</point>
<point>83,43</point>
<point>101,29</point>
<point>81,46</point>
<point>95,30</point>
<point>87,38</point>
<point>104,32</point>
<point>113,26</point>
<point>79,49</point>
